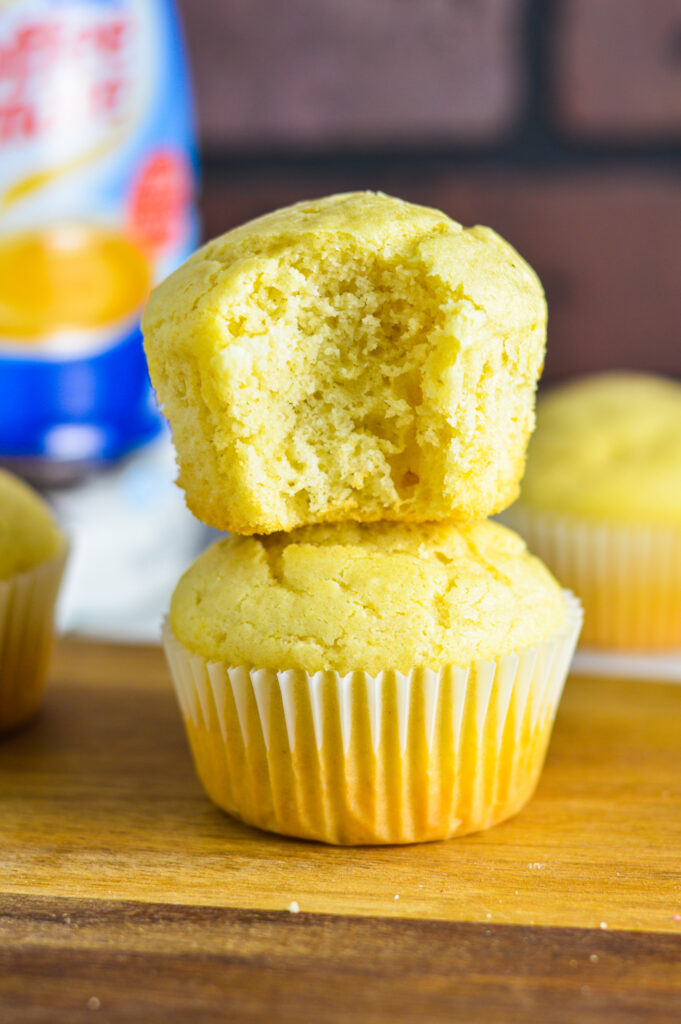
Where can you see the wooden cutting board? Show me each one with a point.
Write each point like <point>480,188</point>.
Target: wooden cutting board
<point>124,891</point>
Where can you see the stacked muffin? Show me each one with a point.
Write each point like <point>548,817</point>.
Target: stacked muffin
<point>359,372</point>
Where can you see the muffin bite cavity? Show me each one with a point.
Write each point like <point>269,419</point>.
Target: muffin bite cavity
<point>353,358</point>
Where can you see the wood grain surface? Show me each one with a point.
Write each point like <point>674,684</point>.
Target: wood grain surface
<point>60,960</point>
<point>125,896</point>
<point>98,799</point>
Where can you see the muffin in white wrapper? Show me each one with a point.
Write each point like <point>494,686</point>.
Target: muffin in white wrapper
<point>627,576</point>
<point>600,504</point>
<point>363,759</point>
<point>27,604</point>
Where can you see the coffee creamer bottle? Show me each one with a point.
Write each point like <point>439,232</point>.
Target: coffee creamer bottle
<point>97,189</point>
<point>96,204</point>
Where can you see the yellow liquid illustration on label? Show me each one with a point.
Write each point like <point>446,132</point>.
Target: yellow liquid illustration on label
<point>25,187</point>
<point>68,277</point>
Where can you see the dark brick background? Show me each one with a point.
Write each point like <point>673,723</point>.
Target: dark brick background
<point>618,68</point>
<point>323,73</point>
<point>558,122</point>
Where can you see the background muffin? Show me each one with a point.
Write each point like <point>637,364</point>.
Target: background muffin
<point>601,504</point>
<point>32,557</point>
<point>370,683</point>
<point>355,357</point>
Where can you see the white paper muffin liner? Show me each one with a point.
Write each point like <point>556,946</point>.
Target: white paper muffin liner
<point>356,758</point>
<point>628,577</point>
<point>27,603</point>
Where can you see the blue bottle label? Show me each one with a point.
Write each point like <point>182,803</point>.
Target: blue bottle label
<point>97,186</point>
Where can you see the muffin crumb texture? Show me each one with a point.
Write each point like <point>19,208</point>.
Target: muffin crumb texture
<point>357,357</point>
<point>348,596</point>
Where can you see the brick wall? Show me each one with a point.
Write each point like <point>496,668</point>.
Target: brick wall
<point>558,122</point>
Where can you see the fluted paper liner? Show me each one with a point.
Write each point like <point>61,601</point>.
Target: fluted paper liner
<point>27,602</point>
<point>356,758</point>
<point>628,577</point>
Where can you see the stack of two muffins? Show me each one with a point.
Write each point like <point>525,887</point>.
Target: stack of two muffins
<point>360,373</point>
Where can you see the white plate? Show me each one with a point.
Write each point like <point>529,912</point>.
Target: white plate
<point>646,667</point>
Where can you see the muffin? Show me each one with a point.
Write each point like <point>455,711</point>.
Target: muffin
<point>383,683</point>
<point>601,504</point>
<point>32,557</point>
<point>352,358</point>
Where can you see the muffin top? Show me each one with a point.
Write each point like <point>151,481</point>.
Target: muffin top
<point>28,533</point>
<point>608,447</point>
<point>371,597</point>
<point>355,357</point>
<point>475,259</point>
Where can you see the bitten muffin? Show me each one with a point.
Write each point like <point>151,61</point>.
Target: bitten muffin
<point>601,504</point>
<point>363,683</point>
<point>32,557</point>
<point>352,358</point>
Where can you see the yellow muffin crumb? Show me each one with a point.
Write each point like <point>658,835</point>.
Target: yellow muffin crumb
<point>356,357</point>
<point>28,533</point>
<point>608,448</point>
<point>372,597</point>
